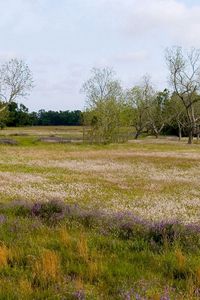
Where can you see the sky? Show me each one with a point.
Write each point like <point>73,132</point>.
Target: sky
<point>62,40</point>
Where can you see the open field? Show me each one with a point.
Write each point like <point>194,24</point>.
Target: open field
<point>153,179</point>
<point>48,253</point>
<point>36,131</point>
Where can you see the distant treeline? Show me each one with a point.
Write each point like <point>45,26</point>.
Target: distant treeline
<point>18,115</point>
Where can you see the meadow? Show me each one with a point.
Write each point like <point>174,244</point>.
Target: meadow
<point>82,221</point>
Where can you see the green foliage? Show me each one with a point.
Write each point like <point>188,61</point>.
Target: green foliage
<point>104,121</point>
<point>18,115</point>
<point>70,118</point>
<point>105,111</point>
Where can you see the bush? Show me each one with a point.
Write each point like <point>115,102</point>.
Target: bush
<point>49,211</point>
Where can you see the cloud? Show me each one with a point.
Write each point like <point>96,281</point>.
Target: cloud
<point>131,57</point>
<point>8,55</point>
<point>171,20</point>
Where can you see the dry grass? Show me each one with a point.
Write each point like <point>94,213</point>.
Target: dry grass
<point>42,130</point>
<point>94,269</point>
<point>5,255</point>
<point>64,237</point>
<point>47,266</point>
<point>181,259</point>
<point>82,247</point>
<point>25,287</point>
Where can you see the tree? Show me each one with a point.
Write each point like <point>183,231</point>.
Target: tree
<point>176,110</point>
<point>18,115</point>
<point>58,117</point>
<point>149,107</point>
<point>101,86</point>
<point>104,121</point>
<point>15,81</point>
<point>137,99</point>
<point>184,69</point>
<point>104,101</point>
<point>4,115</point>
<point>157,112</point>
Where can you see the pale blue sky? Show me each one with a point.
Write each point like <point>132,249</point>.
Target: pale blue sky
<point>62,40</point>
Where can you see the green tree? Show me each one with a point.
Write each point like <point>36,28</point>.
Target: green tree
<point>104,121</point>
<point>18,115</point>
<point>104,106</point>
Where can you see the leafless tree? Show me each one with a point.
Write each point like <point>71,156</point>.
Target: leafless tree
<point>101,86</point>
<point>184,69</point>
<point>15,81</point>
<point>138,99</point>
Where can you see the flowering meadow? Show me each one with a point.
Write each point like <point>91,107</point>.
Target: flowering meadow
<point>82,221</point>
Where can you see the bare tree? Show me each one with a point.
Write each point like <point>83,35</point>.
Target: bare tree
<point>138,100</point>
<point>177,111</point>
<point>101,86</point>
<point>15,81</point>
<point>184,71</point>
<point>137,107</point>
<point>148,107</point>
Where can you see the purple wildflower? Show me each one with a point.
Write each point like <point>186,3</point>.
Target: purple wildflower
<point>79,295</point>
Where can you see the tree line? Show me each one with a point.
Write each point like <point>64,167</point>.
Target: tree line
<point>143,108</point>
<point>18,115</point>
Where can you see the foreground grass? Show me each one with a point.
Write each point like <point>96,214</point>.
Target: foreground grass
<point>48,251</point>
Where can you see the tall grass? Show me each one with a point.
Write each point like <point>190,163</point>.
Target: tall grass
<point>56,249</point>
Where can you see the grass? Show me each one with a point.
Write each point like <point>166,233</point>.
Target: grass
<point>155,180</point>
<point>152,179</point>
<point>90,256</point>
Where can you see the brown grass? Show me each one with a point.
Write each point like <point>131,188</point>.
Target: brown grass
<point>5,255</point>
<point>82,247</point>
<point>25,287</point>
<point>181,259</point>
<point>64,236</point>
<point>47,266</point>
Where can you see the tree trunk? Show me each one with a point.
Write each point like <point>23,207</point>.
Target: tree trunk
<point>190,137</point>
<point>156,132</point>
<point>197,133</point>
<point>179,132</point>
<point>137,135</point>
<point>83,133</point>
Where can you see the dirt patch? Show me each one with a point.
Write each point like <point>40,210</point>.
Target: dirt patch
<point>8,141</point>
<point>56,139</point>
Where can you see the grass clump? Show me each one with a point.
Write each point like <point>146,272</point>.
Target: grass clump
<point>46,268</point>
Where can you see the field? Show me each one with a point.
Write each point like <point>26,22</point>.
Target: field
<point>92,248</point>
